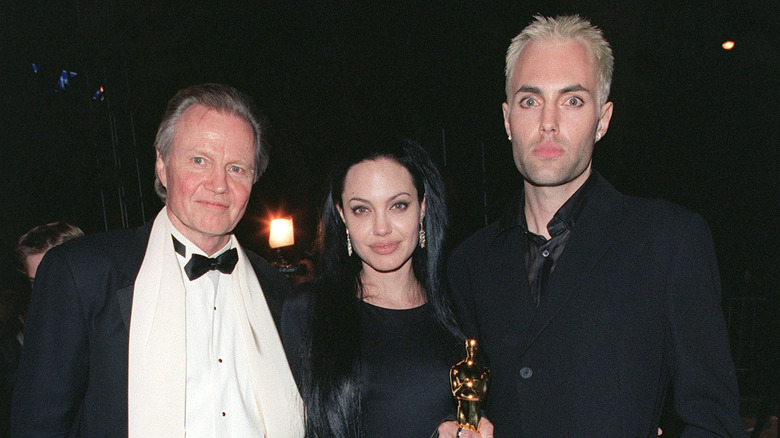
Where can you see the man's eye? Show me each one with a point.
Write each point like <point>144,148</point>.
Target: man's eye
<point>529,102</point>
<point>236,169</point>
<point>574,101</point>
<point>197,160</point>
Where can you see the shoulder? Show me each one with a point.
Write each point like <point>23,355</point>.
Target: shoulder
<point>275,285</point>
<point>475,244</point>
<point>655,217</point>
<point>101,251</point>
<point>662,218</point>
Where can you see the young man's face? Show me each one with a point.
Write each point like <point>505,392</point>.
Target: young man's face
<point>553,114</point>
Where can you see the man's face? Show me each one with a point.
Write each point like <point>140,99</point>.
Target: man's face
<point>553,115</point>
<point>208,176</point>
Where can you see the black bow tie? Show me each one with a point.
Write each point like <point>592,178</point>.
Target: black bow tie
<point>199,265</point>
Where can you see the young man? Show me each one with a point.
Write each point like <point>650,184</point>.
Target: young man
<point>588,303</point>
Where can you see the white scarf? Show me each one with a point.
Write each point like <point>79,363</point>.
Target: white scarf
<point>157,353</point>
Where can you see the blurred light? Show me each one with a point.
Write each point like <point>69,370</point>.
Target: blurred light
<point>98,94</point>
<point>281,233</point>
<point>65,76</point>
<point>728,45</point>
<point>35,68</point>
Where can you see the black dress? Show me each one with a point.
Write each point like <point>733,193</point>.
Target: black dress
<point>405,362</point>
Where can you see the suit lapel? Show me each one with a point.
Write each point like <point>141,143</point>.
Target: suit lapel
<point>588,243</point>
<point>128,271</point>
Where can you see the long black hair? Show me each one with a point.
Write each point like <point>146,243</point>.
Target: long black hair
<point>331,389</point>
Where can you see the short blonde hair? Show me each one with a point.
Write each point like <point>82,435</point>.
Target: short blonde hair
<point>567,27</point>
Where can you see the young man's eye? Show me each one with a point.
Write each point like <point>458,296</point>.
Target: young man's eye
<point>574,101</point>
<point>529,102</point>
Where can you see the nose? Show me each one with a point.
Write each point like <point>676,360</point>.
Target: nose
<point>549,121</point>
<point>382,224</point>
<point>217,180</point>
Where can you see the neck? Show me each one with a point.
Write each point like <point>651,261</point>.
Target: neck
<point>207,244</point>
<point>398,289</point>
<point>542,202</point>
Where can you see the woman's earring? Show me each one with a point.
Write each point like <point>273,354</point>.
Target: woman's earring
<point>422,235</point>
<point>349,245</point>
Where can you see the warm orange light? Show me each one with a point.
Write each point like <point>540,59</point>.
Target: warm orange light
<point>728,45</point>
<point>281,233</point>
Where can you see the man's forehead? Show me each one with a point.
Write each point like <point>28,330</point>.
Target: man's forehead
<point>563,63</point>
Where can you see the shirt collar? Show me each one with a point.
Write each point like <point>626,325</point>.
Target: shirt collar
<point>564,218</point>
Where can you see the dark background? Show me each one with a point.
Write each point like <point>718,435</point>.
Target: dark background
<point>692,123</point>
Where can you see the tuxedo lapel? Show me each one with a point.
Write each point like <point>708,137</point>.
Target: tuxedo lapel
<point>128,270</point>
<point>588,243</point>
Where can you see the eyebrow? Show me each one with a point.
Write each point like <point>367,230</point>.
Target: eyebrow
<point>537,90</point>
<point>358,199</point>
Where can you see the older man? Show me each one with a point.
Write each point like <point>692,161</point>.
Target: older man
<point>201,355</point>
<point>589,303</point>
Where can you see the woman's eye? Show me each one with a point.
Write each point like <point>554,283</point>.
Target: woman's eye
<point>359,209</point>
<point>400,206</point>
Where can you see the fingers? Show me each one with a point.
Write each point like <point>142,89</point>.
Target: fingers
<point>450,429</point>
<point>485,428</point>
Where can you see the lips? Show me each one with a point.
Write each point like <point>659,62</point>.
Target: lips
<point>384,247</point>
<point>548,151</point>
<point>216,205</point>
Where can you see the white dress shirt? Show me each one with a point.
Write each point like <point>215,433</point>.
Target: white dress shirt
<point>219,399</point>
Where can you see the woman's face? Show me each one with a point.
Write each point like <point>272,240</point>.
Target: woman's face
<point>382,213</point>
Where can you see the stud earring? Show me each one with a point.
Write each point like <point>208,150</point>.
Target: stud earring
<point>349,245</point>
<point>509,137</point>
<point>421,240</point>
<point>598,136</point>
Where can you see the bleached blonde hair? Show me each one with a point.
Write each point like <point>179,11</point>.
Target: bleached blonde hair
<point>568,27</point>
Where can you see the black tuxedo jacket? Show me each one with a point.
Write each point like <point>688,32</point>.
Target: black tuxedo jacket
<point>73,373</point>
<point>632,305</point>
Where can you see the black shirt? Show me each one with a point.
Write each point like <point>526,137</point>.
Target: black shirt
<point>406,359</point>
<point>541,254</point>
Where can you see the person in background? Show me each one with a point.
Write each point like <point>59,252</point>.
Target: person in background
<point>32,245</point>
<point>371,341</point>
<point>589,303</point>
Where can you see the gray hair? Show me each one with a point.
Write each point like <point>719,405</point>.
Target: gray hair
<point>567,27</point>
<point>218,97</point>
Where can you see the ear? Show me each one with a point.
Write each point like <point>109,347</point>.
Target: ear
<point>341,213</point>
<point>422,208</point>
<point>160,169</point>
<point>505,109</point>
<point>604,118</point>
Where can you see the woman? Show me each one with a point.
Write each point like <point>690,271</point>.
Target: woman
<point>371,342</point>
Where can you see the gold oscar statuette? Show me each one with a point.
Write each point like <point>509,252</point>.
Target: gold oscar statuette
<point>469,384</point>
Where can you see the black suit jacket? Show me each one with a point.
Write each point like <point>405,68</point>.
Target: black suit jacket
<point>632,305</point>
<point>73,373</point>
